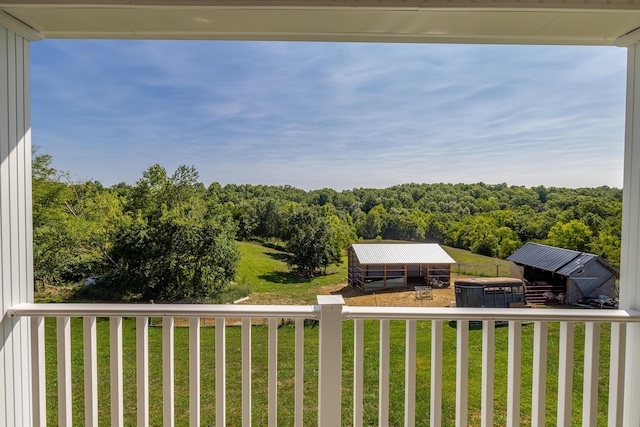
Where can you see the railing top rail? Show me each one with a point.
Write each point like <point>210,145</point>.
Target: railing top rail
<point>165,310</point>
<point>501,314</point>
<point>312,312</point>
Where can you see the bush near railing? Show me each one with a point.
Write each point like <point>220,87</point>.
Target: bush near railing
<point>227,295</point>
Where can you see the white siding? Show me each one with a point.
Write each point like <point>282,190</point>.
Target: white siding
<point>630,254</point>
<point>16,270</point>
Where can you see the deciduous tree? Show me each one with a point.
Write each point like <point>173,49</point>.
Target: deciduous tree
<point>311,241</point>
<point>174,245</point>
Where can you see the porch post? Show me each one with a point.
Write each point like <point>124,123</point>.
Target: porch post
<point>630,255</point>
<point>16,265</point>
<point>330,361</point>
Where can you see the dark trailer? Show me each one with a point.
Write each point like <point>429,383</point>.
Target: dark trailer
<point>498,292</point>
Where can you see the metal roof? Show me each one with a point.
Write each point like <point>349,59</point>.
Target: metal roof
<point>576,264</point>
<point>401,253</point>
<point>559,260</point>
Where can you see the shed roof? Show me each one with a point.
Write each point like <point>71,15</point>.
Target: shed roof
<point>550,258</point>
<point>401,253</point>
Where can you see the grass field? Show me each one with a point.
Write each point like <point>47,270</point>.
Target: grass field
<point>286,369</point>
<point>265,271</point>
<point>471,264</point>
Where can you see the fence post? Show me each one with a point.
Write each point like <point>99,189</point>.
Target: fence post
<point>330,361</point>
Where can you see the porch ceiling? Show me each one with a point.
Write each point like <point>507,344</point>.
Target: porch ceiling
<point>569,22</point>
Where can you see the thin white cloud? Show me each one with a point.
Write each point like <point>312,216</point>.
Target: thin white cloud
<point>319,115</point>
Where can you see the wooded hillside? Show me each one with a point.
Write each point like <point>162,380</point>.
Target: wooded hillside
<point>170,236</point>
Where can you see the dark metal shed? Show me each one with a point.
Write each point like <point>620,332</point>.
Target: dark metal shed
<point>554,275</point>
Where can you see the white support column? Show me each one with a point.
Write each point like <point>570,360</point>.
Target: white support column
<point>565,374</point>
<point>330,361</point>
<point>116,371</point>
<point>630,255</point>
<point>142,370</point>
<point>539,386</point>
<point>488,372</point>
<point>616,373</point>
<point>514,370</point>
<point>436,374</point>
<point>90,347</point>
<point>384,363</point>
<point>462,374</point>
<point>16,254</point>
<point>358,372</point>
<point>410,374</point>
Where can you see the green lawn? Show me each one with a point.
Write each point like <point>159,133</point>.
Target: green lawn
<point>265,270</point>
<point>471,264</point>
<point>286,369</point>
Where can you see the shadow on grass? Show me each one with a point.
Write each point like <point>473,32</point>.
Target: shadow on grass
<point>284,278</point>
<point>280,256</point>
<point>288,278</point>
<point>272,245</point>
<point>313,323</point>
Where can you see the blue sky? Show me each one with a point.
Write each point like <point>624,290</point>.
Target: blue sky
<point>346,115</point>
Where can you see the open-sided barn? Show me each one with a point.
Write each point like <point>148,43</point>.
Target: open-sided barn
<point>383,266</point>
<point>554,274</point>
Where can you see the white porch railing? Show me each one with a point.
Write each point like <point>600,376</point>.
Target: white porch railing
<point>331,313</point>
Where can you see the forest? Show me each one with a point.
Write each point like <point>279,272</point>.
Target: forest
<point>170,237</point>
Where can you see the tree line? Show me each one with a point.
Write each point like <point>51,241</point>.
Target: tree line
<point>493,220</point>
<point>171,237</point>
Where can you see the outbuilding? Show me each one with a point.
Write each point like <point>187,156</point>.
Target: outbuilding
<point>384,266</point>
<point>557,275</point>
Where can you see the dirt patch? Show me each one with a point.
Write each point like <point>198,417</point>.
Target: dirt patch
<point>355,297</point>
<point>352,296</point>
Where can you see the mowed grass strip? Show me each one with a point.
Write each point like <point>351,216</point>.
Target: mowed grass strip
<point>471,264</point>
<point>286,341</point>
<point>265,271</point>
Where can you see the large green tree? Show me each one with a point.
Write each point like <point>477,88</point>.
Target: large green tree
<point>311,241</point>
<point>53,246</point>
<point>172,245</point>
<point>72,224</point>
<point>575,235</point>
